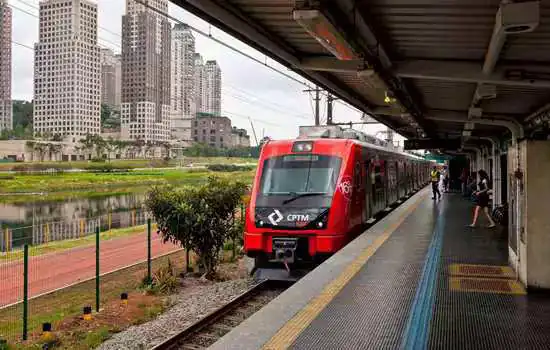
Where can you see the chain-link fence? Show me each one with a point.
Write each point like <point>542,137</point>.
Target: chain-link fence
<point>52,271</point>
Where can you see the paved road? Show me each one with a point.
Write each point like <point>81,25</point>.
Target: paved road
<point>52,271</point>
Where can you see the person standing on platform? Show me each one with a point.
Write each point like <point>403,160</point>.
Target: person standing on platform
<point>435,176</point>
<point>482,199</point>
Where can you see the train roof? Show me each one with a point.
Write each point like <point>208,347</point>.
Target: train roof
<point>358,142</point>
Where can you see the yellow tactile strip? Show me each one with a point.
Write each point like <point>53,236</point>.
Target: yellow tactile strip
<point>470,270</point>
<point>486,285</point>
<point>294,327</point>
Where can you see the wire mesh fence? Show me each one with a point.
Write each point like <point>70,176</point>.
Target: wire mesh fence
<point>49,272</point>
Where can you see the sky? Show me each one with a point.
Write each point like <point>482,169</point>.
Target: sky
<point>275,103</point>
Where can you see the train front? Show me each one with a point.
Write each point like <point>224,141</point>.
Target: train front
<point>298,203</point>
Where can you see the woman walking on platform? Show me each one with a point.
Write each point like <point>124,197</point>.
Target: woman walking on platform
<point>482,199</point>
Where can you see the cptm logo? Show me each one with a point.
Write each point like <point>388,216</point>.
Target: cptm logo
<point>346,187</point>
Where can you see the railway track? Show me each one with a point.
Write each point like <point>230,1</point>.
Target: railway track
<point>206,331</point>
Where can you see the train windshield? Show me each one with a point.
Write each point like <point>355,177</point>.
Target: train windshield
<point>297,175</point>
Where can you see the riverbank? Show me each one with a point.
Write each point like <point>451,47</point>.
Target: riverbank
<point>63,186</point>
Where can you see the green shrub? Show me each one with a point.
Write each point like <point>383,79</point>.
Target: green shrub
<point>199,218</point>
<point>228,167</point>
<point>164,280</point>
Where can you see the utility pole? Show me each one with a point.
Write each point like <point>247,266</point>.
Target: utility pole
<point>317,99</point>
<point>330,99</point>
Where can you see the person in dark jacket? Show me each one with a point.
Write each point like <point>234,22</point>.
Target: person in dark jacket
<point>482,199</point>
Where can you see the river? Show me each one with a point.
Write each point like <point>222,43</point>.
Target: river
<point>39,222</point>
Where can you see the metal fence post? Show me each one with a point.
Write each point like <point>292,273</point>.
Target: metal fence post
<point>149,280</point>
<point>97,269</point>
<point>25,289</point>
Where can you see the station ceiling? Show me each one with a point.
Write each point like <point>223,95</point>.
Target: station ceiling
<point>431,68</point>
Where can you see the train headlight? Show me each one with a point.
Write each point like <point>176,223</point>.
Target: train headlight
<point>302,146</point>
<point>320,224</point>
<point>260,223</point>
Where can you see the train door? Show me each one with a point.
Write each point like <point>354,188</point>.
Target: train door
<point>379,187</point>
<point>392,182</point>
<point>369,188</point>
<point>401,179</point>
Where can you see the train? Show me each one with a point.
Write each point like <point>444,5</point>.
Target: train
<point>314,194</point>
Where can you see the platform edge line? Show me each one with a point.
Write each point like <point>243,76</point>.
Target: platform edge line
<point>287,334</point>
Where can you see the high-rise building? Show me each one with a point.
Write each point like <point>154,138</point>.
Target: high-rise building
<point>199,91</point>
<point>67,86</point>
<point>118,80</point>
<point>212,85</point>
<point>182,84</point>
<point>145,108</point>
<point>5,67</point>
<point>110,78</point>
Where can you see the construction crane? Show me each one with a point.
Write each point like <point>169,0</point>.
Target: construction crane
<point>254,132</point>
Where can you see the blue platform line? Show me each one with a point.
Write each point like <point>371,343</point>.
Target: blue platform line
<point>416,332</point>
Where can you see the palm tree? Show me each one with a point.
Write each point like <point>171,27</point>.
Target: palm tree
<point>53,148</point>
<point>31,146</point>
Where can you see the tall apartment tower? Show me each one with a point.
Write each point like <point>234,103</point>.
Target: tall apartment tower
<point>212,82</point>
<point>182,84</point>
<point>199,91</point>
<point>110,78</point>
<point>145,109</point>
<point>67,86</point>
<point>5,67</point>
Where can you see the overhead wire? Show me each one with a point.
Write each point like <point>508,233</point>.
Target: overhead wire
<point>210,36</point>
<point>38,17</point>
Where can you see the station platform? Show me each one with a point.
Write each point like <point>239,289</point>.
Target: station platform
<point>420,278</point>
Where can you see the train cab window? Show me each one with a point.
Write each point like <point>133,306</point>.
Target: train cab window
<point>298,174</point>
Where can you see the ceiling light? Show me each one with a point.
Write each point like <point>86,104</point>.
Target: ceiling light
<point>318,26</point>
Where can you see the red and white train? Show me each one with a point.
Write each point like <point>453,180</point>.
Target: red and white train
<point>313,195</point>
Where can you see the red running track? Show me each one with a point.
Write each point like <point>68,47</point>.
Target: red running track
<point>56,270</point>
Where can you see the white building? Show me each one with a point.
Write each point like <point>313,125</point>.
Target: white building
<point>212,85</point>
<point>67,86</point>
<point>182,84</point>
<point>111,72</point>
<point>199,91</point>
<point>5,67</point>
<point>145,108</point>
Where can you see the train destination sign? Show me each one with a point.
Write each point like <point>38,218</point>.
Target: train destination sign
<point>449,144</point>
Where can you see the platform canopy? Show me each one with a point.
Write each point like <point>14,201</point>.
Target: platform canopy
<point>456,68</point>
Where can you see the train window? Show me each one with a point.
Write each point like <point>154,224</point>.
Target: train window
<point>377,175</point>
<point>298,174</point>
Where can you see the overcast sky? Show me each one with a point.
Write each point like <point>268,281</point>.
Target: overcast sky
<point>274,102</point>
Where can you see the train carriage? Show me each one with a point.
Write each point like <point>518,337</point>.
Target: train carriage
<point>311,196</point>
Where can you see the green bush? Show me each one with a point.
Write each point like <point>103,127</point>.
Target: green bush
<point>228,167</point>
<point>198,218</point>
<point>164,280</point>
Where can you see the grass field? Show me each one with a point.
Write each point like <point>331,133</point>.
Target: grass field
<point>124,164</point>
<point>66,185</point>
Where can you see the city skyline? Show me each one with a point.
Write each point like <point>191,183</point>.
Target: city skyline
<point>250,89</point>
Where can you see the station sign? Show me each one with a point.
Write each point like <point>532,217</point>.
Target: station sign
<point>448,144</point>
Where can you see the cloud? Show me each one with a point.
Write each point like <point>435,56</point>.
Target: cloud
<point>249,89</point>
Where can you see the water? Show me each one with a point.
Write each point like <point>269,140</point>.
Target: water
<point>40,222</point>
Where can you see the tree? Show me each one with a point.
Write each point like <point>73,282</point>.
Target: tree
<point>53,148</point>
<point>31,146</point>
<point>111,146</point>
<point>198,218</point>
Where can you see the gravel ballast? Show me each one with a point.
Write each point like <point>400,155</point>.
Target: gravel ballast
<point>190,305</point>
